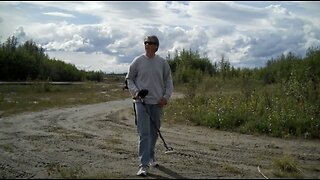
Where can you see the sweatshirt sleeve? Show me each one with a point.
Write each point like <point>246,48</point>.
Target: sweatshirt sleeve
<point>130,77</point>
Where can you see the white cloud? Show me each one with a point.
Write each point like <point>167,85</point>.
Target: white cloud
<point>59,14</point>
<point>103,34</point>
<point>277,9</point>
<point>97,61</point>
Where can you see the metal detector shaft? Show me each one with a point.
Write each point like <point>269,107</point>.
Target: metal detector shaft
<point>164,143</point>
<point>168,149</point>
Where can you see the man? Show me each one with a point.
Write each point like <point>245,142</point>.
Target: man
<point>150,84</point>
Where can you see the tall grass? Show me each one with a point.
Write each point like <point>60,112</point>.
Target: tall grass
<point>247,106</point>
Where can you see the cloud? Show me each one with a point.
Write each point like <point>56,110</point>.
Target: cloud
<point>247,33</point>
<point>227,12</point>
<point>98,61</point>
<point>59,14</point>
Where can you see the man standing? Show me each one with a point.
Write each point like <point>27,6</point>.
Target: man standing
<point>150,84</point>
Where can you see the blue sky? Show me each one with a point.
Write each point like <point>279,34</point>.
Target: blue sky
<point>107,35</point>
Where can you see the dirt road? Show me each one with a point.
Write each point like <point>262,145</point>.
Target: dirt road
<point>100,141</point>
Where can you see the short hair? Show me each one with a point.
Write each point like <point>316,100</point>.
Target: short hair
<point>152,38</point>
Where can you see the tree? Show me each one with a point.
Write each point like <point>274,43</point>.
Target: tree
<point>28,61</point>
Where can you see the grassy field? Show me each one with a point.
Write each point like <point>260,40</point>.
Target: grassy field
<point>248,107</point>
<point>17,98</point>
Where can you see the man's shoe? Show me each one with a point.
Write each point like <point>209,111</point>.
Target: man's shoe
<point>153,163</point>
<point>142,171</point>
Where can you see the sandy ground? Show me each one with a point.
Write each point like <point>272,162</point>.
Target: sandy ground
<point>100,141</point>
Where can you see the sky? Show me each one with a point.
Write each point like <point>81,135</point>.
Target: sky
<point>107,35</point>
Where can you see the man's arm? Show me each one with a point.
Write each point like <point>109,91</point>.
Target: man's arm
<point>131,81</point>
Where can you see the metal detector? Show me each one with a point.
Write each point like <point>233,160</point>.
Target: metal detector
<point>169,150</point>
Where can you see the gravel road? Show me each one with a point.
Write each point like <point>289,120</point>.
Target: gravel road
<point>100,141</point>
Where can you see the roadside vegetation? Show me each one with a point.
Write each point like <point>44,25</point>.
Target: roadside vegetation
<point>279,100</point>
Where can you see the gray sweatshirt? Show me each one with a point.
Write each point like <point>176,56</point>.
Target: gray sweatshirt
<point>153,74</point>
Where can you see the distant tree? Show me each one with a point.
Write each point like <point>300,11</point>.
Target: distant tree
<point>224,67</point>
<point>28,61</point>
<point>189,66</point>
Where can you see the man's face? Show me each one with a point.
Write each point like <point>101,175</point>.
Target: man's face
<point>150,46</point>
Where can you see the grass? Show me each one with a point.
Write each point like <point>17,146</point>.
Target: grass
<point>63,172</point>
<point>231,169</point>
<point>59,171</point>
<point>247,107</point>
<point>286,167</point>
<point>22,98</point>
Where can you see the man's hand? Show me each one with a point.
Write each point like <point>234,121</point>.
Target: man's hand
<point>143,93</point>
<point>162,102</point>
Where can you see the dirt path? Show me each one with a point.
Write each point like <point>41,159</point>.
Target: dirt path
<point>100,141</point>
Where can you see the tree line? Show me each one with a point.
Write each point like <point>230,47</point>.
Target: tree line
<point>188,66</point>
<point>302,73</point>
<point>28,62</point>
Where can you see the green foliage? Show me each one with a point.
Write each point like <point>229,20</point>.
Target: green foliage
<point>280,100</point>
<point>29,62</point>
<point>263,112</point>
<point>189,67</point>
<point>96,76</point>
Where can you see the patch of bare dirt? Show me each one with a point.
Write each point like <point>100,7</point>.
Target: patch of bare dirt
<point>100,141</point>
